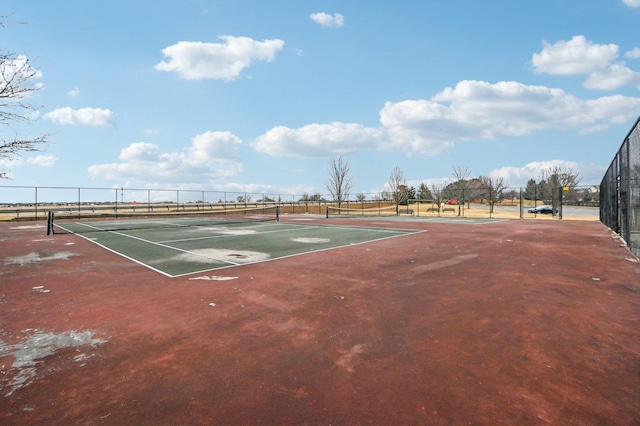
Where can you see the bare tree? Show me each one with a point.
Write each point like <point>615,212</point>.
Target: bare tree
<point>397,186</point>
<point>339,183</point>
<point>462,182</point>
<point>553,178</point>
<point>495,187</point>
<point>436,191</point>
<point>16,88</point>
<point>559,176</point>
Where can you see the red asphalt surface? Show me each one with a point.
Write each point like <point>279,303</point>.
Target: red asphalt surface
<point>512,322</point>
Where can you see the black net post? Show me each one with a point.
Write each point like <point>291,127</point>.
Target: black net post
<point>49,222</point>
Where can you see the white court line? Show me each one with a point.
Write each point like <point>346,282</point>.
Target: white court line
<point>153,243</point>
<point>174,248</point>
<point>301,253</point>
<point>296,227</point>
<point>118,253</point>
<point>230,235</point>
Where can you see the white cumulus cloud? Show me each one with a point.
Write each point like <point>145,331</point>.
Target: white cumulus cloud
<point>39,161</point>
<point>95,117</point>
<point>478,110</point>
<point>576,56</point>
<point>519,176</point>
<point>633,53</point>
<point>632,3</point>
<point>580,56</point>
<point>470,111</point>
<point>613,77</point>
<point>73,92</point>
<point>6,164</point>
<point>326,20</point>
<point>218,61</point>
<point>319,140</point>
<point>213,155</point>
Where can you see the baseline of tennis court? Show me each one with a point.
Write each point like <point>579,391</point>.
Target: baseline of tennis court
<point>173,248</point>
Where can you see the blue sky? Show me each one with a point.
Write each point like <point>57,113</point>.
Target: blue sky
<point>256,96</point>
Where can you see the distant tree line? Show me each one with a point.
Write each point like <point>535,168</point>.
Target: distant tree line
<point>462,188</point>
<point>555,179</point>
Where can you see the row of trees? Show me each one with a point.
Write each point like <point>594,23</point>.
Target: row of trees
<point>462,188</point>
<point>550,180</point>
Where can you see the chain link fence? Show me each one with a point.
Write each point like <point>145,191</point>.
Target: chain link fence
<point>485,201</point>
<point>620,191</point>
<point>33,203</point>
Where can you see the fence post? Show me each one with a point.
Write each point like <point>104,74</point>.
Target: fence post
<point>561,195</point>
<point>521,202</point>
<point>490,202</point>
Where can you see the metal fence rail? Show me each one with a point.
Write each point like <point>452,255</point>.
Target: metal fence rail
<point>620,191</point>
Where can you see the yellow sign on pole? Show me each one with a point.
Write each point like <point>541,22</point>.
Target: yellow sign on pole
<point>565,188</point>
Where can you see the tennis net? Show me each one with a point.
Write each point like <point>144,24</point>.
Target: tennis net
<point>63,224</point>
<point>368,212</point>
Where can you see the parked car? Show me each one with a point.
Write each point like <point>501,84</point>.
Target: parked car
<point>542,210</point>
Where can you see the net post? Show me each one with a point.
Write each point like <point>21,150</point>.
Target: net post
<point>49,222</point>
<point>327,212</point>
<point>277,213</point>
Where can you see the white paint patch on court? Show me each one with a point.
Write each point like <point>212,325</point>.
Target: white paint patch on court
<point>31,351</point>
<point>309,240</point>
<point>28,227</point>
<point>222,255</point>
<point>31,258</point>
<point>214,278</point>
<point>350,357</point>
<point>227,231</point>
<point>456,260</point>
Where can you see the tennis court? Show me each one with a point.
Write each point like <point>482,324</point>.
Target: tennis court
<point>178,246</point>
<point>456,322</point>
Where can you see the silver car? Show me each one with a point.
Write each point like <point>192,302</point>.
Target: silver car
<point>541,210</point>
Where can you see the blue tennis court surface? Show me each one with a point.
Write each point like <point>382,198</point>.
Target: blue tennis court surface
<point>176,248</point>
